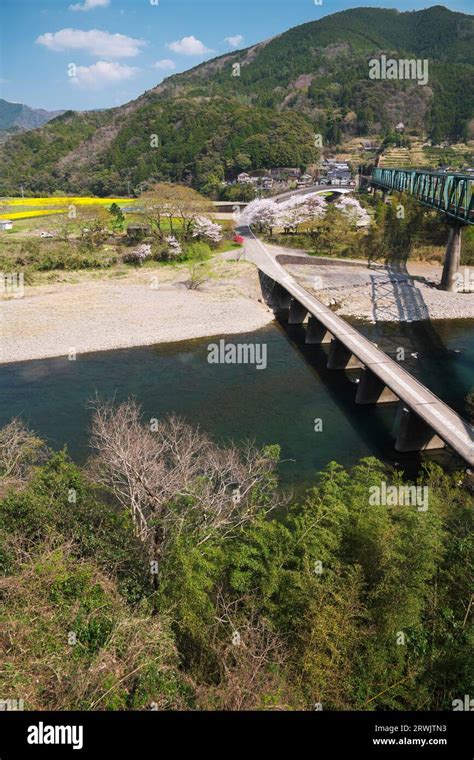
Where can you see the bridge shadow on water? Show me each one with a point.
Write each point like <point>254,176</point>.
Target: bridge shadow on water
<point>374,424</point>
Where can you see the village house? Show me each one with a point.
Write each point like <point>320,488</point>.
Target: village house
<point>305,180</point>
<point>6,224</point>
<point>244,178</point>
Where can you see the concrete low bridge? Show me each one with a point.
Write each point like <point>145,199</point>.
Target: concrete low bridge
<point>451,193</point>
<point>239,206</point>
<point>423,421</point>
<point>321,189</point>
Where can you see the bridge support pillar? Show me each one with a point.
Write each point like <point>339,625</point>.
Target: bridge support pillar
<point>452,259</point>
<point>316,333</point>
<point>340,357</point>
<point>371,389</point>
<point>413,434</point>
<point>297,313</point>
<point>280,298</point>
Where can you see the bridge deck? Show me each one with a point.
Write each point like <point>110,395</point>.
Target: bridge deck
<point>445,422</point>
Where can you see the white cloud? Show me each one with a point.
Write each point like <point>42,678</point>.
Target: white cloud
<point>89,5</point>
<point>101,74</point>
<point>165,64</point>
<point>235,40</point>
<point>189,46</point>
<point>93,41</point>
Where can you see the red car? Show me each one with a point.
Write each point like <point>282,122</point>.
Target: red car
<point>238,239</point>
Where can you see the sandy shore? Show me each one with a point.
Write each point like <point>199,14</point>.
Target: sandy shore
<point>141,309</point>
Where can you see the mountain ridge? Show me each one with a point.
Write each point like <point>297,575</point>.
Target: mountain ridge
<point>22,116</point>
<point>311,79</point>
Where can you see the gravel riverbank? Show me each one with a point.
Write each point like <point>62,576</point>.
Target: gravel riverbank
<point>381,294</point>
<point>141,309</point>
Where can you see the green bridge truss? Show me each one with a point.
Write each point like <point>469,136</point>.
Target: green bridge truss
<point>450,193</point>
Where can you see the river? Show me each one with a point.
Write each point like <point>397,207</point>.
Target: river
<point>295,401</point>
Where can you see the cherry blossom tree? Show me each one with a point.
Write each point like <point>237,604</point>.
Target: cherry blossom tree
<point>261,212</point>
<point>300,209</point>
<point>352,208</point>
<point>174,247</point>
<point>205,229</point>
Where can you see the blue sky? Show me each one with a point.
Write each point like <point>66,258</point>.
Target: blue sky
<point>81,54</point>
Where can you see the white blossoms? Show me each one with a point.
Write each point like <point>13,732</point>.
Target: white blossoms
<point>289,214</point>
<point>356,213</point>
<point>174,246</point>
<point>263,213</point>
<point>300,209</point>
<point>138,255</point>
<point>204,229</point>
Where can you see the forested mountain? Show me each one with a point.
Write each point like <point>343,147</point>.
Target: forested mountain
<point>21,117</point>
<point>221,118</point>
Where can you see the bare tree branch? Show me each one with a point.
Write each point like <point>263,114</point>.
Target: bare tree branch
<point>173,477</point>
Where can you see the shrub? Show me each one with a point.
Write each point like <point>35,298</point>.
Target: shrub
<point>198,251</point>
<point>73,261</point>
<point>44,510</point>
<point>73,643</point>
<point>139,254</point>
<point>174,247</point>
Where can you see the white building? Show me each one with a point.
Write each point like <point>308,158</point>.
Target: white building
<point>305,180</point>
<point>6,224</point>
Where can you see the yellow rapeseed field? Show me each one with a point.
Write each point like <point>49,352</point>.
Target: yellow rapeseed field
<point>30,214</point>
<point>56,205</point>
<point>66,201</point>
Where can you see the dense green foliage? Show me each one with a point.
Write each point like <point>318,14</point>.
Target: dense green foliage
<point>204,140</point>
<point>337,601</point>
<point>209,123</point>
<point>32,158</point>
<point>331,57</point>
